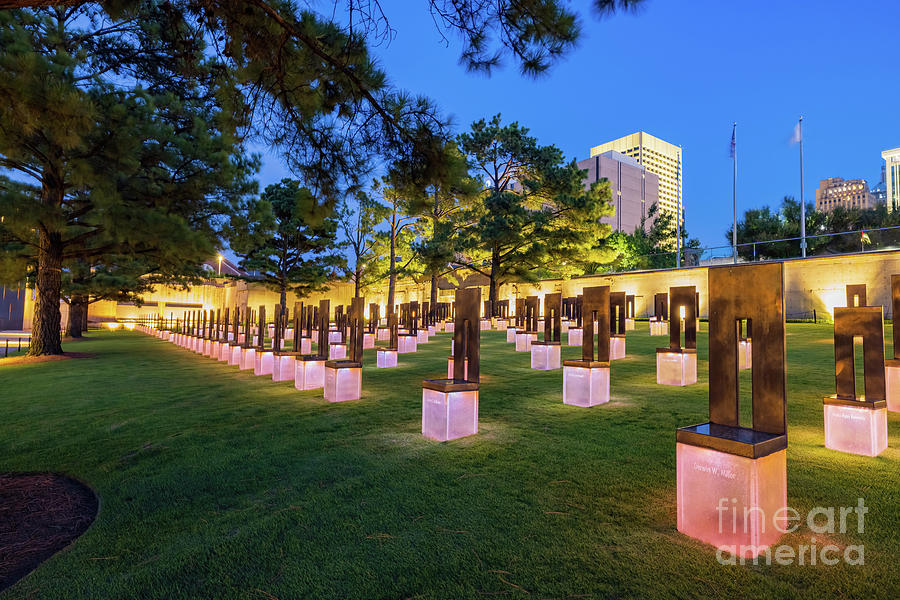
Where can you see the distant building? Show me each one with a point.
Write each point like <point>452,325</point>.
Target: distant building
<point>879,192</point>
<point>660,158</point>
<point>834,192</point>
<point>634,188</point>
<point>223,268</point>
<point>892,178</point>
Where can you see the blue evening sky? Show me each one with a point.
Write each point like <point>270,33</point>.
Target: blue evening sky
<point>684,71</point>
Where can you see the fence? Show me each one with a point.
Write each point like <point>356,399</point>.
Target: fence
<point>818,244</point>
<point>17,340</point>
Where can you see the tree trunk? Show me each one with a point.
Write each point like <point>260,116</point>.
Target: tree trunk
<point>392,277</point>
<point>283,295</point>
<point>76,324</point>
<point>356,276</point>
<point>45,334</point>
<point>435,214</point>
<point>492,291</point>
<point>432,306</point>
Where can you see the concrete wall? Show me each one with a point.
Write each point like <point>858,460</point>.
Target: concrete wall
<point>810,284</point>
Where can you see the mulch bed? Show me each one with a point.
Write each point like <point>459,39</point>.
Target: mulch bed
<point>40,514</point>
<point>27,360</point>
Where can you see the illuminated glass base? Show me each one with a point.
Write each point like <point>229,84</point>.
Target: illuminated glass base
<point>501,324</point>
<point>264,360</point>
<point>383,334</point>
<point>224,352</point>
<point>564,327</point>
<point>234,358</point>
<point>616,347</point>
<point>745,354</point>
<point>384,359</point>
<point>511,334</point>
<point>892,385</point>
<point>335,337</point>
<point>449,415</point>
<point>585,386</point>
<point>659,327</point>
<point>406,344</point>
<point>575,336</point>
<point>432,330</point>
<point>305,345</point>
<point>368,341</point>
<point>450,368</point>
<point>337,351</point>
<point>629,324</point>
<point>732,502</point>
<point>676,368</point>
<point>343,383</point>
<point>309,374</point>
<point>449,327</point>
<point>545,357</point>
<point>856,429</point>
<point>422,336</point>
<point>283,368</point>
<point>523,341</point>
<point>248,358</point>
<point>485,324</point>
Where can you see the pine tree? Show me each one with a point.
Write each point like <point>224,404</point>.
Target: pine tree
<point>109,167</point>
<point>534,216</point>
<point>287,239</point>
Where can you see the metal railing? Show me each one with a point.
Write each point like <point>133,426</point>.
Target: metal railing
<point>17,339</point>
<point>819,244</point>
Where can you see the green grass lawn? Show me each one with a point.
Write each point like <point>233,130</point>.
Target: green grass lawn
<point>218,484</point>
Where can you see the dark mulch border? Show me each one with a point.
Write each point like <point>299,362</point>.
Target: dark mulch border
<point>27,360</point>
<point>40,514</point>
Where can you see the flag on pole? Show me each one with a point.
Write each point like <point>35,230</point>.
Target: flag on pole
<point>733,141</point>
<point>797,136</point>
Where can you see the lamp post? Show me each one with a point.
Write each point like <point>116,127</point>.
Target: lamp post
<point>220,257</point>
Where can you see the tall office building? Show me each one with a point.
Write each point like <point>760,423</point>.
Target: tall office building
<point>892,178</point>
<point>659,157</point>
<point>634,189</point>
<point>834,192</point>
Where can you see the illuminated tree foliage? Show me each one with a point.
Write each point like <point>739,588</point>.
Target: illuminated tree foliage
<point>286,239</point>
<point>116,144</point>
<point>534,217</point>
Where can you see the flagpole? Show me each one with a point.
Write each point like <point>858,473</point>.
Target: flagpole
<point>734,199</point>
<point>802,198</point>
<point>678,218</point>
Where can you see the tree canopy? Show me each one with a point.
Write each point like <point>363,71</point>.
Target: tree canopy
<point>108,160</point>
<point>766,233</point>
<point>534,216</point>
<point>281,245</point>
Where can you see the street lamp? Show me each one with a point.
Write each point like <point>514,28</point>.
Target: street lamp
<point>220,265</point>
